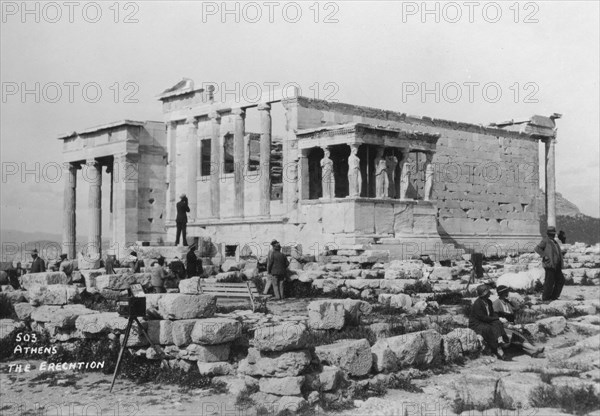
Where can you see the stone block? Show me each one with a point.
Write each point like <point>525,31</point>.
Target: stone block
<point>441,273</point>
<point>216,331</point>
<point>553,326</point>
<point>292,404</point>
<point>219,368</point>
<point>274,364</point>
<point>182,331</point>
<point>396,301</point>
<point>282,337</point>
<point>63,317</point>
<point>285,386</point>
<point>395,286</point>
<point>181,306</point>
<point>353,356</point>
<point>100,323</point>
<point>459,342</point>
<point>89,276</point>
<point>161,332</point>
<point>413,349</point>
<point>326,314</point>
<point>205,353</point>
<point>44,279</point>
<point>122,281</point>
<point>23,311</point>
<point>190,286</point>
<point>477,390</point>
<point>362,284</point>
<point>52,294</point>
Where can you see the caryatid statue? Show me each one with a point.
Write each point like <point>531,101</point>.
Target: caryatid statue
<point>328,178</point>
<point>391,162</point>
<point>381,175</point>
<point>354,175</point>
<point>404,175</point>
<point>428,177</point>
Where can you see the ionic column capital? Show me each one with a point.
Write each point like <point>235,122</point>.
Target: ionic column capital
<point>214,115</point>
<point>238,112</point>
<point>172,124</point>
<point>192,120</point>
<point>264,107</point>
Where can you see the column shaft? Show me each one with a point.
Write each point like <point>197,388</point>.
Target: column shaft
<point>550,182</point>
<point>171,170</point>
<point>94,176</point>
<point>192,166</point>
<point>69,212</point>
<point>215,165</point>
<point>265,159</point>
<point>239,163</point>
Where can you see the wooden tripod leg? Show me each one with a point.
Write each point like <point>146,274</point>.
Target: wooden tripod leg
<point>158,350</point>
<point>125,339</point>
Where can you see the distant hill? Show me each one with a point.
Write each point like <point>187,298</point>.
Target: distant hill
<point>578,228</point>
<point>564,207</point>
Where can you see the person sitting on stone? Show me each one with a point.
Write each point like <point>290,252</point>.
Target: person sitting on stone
<point>277,267</point>
<point>38,265</point>
<point>506,312</point>
<point>268,283</point>
<point>109,264</point>
<point>158,275</point>
<point>177,268</point>
<point>66,265</point>
<point>484,321</point>
<point>135,264</point>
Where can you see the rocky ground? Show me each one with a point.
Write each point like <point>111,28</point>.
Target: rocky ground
<point>571,358</point>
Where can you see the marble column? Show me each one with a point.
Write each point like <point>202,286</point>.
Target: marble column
<point>239,164</point>
<point>94,177</point>
<point>69,208</point>
<point>303,175</point>
<point>215,165</point>
<point>171,170</point>
<point>550,181</point>
<point>428,187</point>
<point>265,159</point>
<point>192,167</point>
<point>126,193</point>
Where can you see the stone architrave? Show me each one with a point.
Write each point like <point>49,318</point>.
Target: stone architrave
<point>391,163</point>
<point>428,177</point>
<point>354,174</point>
<point>381,175</point>
<point>328,178</point>
<point>404,175</point>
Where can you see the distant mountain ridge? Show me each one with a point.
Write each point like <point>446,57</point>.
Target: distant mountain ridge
<point>564,207</point>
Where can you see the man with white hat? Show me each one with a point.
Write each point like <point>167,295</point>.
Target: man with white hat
<point>552,261</point>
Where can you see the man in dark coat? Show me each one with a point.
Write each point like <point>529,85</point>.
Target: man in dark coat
<point>194,264</point>
<point>181,220</point>
<point>552,261</point>
<point>38,265</point>
<point>484,321</point>
<point>277,265</point>
<point>177,268</point>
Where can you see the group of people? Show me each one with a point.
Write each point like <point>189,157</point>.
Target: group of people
<point>495,321</point>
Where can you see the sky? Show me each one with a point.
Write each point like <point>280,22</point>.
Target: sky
<point>69,67</point>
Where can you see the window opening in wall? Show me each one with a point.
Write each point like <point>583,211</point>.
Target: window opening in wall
<point>205,157</point>
<point>228,160</point>
<point>253,152</point>
<point>230,250</point>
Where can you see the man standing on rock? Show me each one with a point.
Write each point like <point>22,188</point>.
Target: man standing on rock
<point>277,267</point>
<point>181,220</point>
<point>552,261</point>
<point>38,265</point>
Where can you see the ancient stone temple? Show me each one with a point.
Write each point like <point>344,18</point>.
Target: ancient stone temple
<point>134,155</point>
<point>313,172</point>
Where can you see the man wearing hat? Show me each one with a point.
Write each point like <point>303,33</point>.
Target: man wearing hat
<point>269,284</point>
<point>181,220</point>
<point>484,321</point>
<point>552,261</point>
<point>277,265</point>
<point>38,265</point>
<point>66,266</point>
